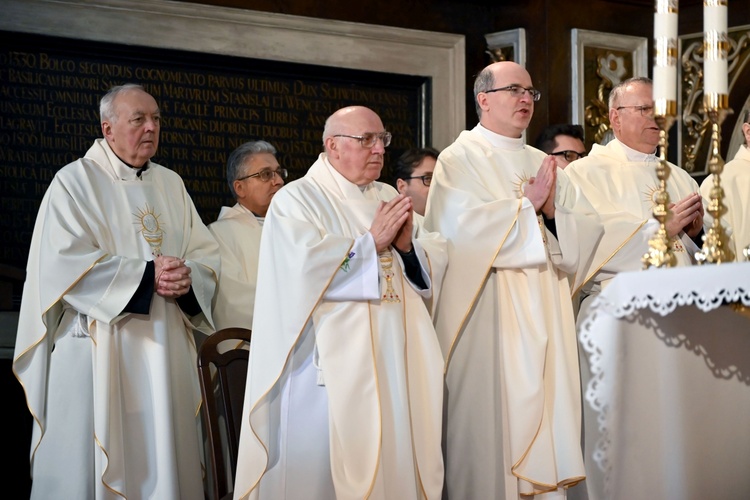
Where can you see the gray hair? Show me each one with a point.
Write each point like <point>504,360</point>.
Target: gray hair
<point>618,90</point>
<point>107,103</point>
<point>484,81</point>
<point>240,156</point>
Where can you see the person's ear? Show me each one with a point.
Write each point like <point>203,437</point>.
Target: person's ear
<point>614,119</point>
<point>239,188</point>
<point>401,185</point>
<point>107,129</point>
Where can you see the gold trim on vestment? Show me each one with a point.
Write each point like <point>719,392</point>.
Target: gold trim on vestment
<point>449,356</point>
<point>408,392</point>
<point>104,472</point>
<point>604,262</point>
<point>36,344</point>
<point>276,380</point>
<point>380,408</point>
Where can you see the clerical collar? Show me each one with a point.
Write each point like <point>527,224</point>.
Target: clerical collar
<point>637,156</point>
<point>500,141</point>
<point>138,170</point>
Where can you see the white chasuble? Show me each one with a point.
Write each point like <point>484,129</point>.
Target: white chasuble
<point>114,396</point>
<point>735,180</point>
<point>505,320</point>
<point>237,231</point>
<point>623,192</point>
<point>344,392</point>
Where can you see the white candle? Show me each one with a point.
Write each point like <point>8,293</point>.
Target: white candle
<point>715,47</point>
<point>665,55</point>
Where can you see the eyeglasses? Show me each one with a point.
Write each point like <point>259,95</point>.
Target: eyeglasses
<point>647,111</point>
<point>368,139</point>
<point>426,179</point>
<point>570,155</point>
<point>266,174</point>
<point>517,91</point>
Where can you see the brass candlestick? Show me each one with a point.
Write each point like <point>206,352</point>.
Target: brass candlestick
<point>716,248</point>
<point>660,253</point>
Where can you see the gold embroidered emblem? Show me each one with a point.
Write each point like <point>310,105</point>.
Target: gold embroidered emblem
<point>521,181</point>
<point>650,197</point>
<point>150,229</point>
<point>386,262</point>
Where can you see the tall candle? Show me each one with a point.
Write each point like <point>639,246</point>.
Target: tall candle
<point>715,47</point>
<point>665,57</point>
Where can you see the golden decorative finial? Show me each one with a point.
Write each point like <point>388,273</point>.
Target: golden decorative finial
<point>716,248</point>
<point>660,252</point>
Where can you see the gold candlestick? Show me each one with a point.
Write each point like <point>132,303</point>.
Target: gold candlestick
<point>716,248</point>
<point>660,253</point>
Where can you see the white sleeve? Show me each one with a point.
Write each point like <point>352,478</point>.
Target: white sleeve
<point>357,278</point>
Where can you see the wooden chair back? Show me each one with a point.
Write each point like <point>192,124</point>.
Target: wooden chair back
<point>223,363</point>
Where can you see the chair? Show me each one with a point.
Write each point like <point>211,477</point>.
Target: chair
<point>223,362</point>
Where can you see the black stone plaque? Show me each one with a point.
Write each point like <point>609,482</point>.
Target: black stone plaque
<point>49,115</point>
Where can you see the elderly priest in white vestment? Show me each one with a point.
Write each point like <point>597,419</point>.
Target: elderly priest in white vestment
<point>517,233</point>
<point>120,270</point>
<point>344,393</point>
<point>254,176</point>
<point>619,179</point>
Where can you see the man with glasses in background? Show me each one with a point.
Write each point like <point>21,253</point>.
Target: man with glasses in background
<point>254,176</point>
<point>516,230</point>
<point>564,140</point>
<point>344,392</point>
<point>413,175</point>
<point>619,179</point>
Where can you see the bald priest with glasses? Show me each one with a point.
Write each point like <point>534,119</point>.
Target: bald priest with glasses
<point>254,176</point>
<point>619,179</point>
<point>516,231</point>
<point>344,393</point>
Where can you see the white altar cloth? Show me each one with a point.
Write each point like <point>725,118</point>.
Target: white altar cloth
<point>669,380</point>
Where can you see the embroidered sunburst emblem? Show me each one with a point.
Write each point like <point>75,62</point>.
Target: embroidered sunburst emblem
<point>649,196</point>
<point>150,228</point>
<point>521,181</point>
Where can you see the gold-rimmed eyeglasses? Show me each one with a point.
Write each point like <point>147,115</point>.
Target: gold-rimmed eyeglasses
<point>517,91</point>
<point>426,179</point>
<point>266,174</point>
<point>369,139</point>
<point>647,111</point>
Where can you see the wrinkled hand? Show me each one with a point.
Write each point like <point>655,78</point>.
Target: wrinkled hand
<point>686,215</point>
<point>390,217</point>
<point>541,188</point>
<point>171,276</point>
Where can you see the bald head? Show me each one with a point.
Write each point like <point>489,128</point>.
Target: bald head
<point>346,152</point>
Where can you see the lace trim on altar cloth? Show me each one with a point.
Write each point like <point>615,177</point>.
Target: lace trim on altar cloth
<point>662,299</point>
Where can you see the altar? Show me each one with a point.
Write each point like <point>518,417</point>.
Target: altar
<point>666,385</point>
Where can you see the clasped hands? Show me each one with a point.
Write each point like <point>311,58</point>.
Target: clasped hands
<point>541,188</point>
<point>393,224</point>
<point>686,215</point>
<point>171,276</point>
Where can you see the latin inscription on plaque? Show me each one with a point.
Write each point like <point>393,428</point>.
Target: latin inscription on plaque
<point>49,115</point>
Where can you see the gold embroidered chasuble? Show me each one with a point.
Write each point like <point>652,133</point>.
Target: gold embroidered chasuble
<point>114,395</point>
<point>505,320</point>
<point>344,393</point>
<point>622,192</point>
